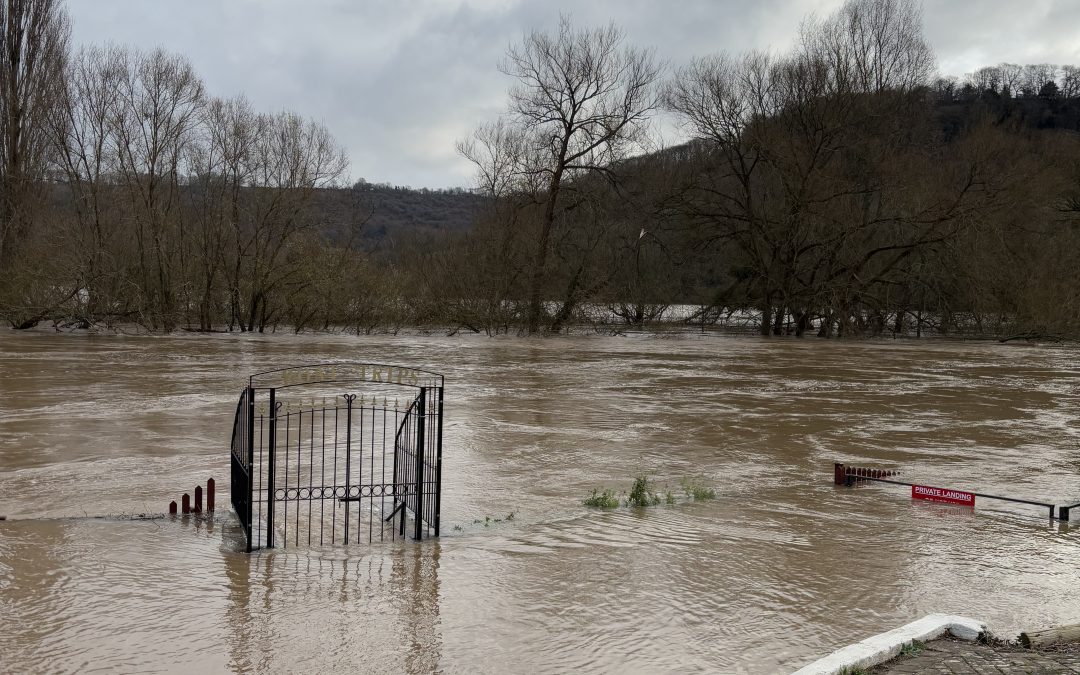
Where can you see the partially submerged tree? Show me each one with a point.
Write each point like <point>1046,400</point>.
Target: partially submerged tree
<point>582,100</point>
<point>33,52</point>
<point>813,164</point>
<point>156,114</point>
<point>34,38</point>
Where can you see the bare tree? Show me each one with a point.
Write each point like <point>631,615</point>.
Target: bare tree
<point>1035,77</point>
<point>1070,82</point>
<point>800,172</point>
<point>503,158</point>
<point>156,112</point>
<point>1012,78</point>
<point>872,46</point>
<point>83,131</point>
<point>946,88</point>
<point>582,100</point>
<point>479,277</point>
<point>222,169</point>
<point>183,207</point>
<point>33,51</point>
<point>292,158</point>
<point>988,78</point>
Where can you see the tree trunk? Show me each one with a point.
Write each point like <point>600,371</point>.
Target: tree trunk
<point>568,304</point>
<point>540,265</point>
<point>778,321</point>
<point>802,322</point>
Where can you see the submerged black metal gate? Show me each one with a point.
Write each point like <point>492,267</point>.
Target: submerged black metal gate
<point>337,453</point>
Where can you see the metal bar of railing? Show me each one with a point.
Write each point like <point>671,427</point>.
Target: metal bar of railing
<point>852,478</point>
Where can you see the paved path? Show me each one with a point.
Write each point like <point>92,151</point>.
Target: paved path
<point>949,656</point>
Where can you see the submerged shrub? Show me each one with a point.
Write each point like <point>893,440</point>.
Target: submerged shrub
<point>642,494</point>
<point>602,500</point>
<point>645,493</point>
<point>697,490</point>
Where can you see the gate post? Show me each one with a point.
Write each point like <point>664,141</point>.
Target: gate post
<point>349,398</point>
<point>272,442</point>
<point>250,463</point>
<point>418,524</point>
<point>438,467</point>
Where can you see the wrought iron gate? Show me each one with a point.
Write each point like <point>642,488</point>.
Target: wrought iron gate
<point>337,453</point>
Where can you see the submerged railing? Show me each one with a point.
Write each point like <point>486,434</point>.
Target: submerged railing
<point>333,453</point>
<point>850,475</point>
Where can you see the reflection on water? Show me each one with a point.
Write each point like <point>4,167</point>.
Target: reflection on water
<point>323,609</point>
<point>780,567</point>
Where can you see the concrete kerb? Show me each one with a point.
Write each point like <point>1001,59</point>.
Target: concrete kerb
<point>886,646</point>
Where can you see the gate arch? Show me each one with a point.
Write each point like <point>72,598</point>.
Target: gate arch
<point>365,438</point>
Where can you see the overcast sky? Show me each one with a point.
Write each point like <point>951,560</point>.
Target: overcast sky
<point>398,81</point>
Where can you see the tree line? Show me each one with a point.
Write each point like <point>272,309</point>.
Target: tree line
<point>839,187</point>
<point>1012,80</point>
<point>821,190</point>
<point>132,196</point>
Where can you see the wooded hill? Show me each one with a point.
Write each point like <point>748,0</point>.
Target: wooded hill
<point>398,213</point>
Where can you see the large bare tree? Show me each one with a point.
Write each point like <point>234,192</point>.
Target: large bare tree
<point>807,158</point>
<point>158,107</point>
<point>33,50</point>
<point>83,132</point>
<point>581,101</point>
<point>291,160</point>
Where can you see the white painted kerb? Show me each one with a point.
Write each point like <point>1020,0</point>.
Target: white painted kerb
<point>886,646</point>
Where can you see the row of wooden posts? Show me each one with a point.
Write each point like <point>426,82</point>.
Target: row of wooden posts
<point>185,502</point>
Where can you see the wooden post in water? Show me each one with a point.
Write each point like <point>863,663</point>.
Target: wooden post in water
<point>198,499</point>
<point>172,508</point>
<point>838,473</point>
<point>185,504</point>
<point>210,495</point>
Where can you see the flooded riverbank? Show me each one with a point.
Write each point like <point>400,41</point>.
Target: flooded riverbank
<point>780,567</point>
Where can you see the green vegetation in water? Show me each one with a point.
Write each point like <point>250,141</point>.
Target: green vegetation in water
<point>695,489</point>
<point>602,500</point>
<point>851,670</point>
<point>913,648</point>
<point>488,520</point>
<point>458,528</point>
<point>642,493</point>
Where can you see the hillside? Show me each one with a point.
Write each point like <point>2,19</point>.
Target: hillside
<point>400,211</point>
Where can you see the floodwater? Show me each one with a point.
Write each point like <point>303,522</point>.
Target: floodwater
<point>780,568</point>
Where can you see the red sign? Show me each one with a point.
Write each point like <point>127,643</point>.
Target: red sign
<point>942,495</point>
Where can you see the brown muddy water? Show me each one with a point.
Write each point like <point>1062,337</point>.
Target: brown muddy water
<point>781,567</point>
